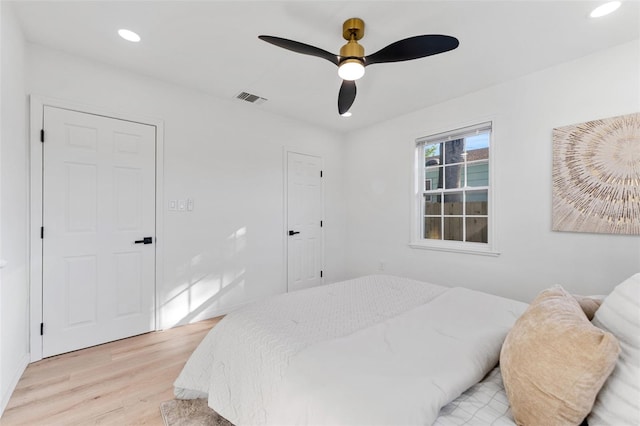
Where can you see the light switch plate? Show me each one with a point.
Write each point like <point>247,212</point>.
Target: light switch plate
<point>181,205</point>
<point>189,204</point>
<point>173,205</point>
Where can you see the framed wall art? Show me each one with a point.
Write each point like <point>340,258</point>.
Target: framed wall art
<point>596,176</point>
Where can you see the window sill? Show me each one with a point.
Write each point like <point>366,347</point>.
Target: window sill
<point>454,247</point>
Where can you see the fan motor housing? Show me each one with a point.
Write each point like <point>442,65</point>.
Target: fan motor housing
<point>352,50</point>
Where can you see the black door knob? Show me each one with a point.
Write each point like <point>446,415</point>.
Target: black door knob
<point>293,232</point>
<point>145,240</point>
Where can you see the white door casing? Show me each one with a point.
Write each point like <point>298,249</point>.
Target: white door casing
<point>99,193</point>
<point>304,221</point>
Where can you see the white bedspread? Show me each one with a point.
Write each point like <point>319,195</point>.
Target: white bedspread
<point>375,350</point>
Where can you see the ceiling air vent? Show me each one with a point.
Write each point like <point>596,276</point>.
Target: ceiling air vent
<point>254,99</point>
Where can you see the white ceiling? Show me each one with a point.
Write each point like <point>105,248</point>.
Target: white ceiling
<point>212,46</point>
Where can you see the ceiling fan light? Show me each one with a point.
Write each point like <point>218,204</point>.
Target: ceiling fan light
<point>351,69</point>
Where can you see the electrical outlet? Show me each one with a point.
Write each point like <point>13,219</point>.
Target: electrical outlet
<point>381,265</point>
<point>189,204</point>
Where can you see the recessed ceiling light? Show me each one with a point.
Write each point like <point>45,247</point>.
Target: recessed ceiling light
<point>129,35</point>
<point>346,114</point>
<point>605,9</point>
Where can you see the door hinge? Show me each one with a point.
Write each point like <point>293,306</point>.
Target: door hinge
<point>321,274</point>
<point>42,329</point>
<point>320,224</point>
<point>41,135</point>
<point>41,232</point>
<point>320,173</point>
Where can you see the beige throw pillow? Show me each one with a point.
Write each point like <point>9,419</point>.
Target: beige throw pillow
<point>588,304</point>
<point>554,361</point>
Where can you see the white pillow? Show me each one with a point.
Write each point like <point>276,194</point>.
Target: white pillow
<point>618,403</point>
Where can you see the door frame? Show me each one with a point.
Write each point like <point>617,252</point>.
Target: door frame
<point>285,211</point>
<point>37,104</point>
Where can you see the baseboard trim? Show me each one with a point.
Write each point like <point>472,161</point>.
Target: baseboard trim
<point>14,382</point>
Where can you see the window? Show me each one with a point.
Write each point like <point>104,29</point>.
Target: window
<point>453,197</point>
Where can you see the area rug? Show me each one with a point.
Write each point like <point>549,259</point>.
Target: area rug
<point>190,412</point>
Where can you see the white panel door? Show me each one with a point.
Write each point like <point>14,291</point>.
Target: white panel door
<point>98,200</point>
<point>304,216</point>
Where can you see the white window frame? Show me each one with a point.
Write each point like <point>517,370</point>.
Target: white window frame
<point>417,241</point>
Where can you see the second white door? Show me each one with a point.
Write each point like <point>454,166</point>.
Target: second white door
<point>99,230</point>
<point>304,219</point>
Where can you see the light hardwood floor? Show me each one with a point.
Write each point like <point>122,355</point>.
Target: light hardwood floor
<point>118,383</point>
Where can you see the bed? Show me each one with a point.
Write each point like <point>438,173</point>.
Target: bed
<point>373,350</point>
<point>376,349</point>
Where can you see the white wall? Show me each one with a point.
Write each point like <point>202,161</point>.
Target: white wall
<point>14,309</point>
<point>380,175</point>
<point>228,157</point>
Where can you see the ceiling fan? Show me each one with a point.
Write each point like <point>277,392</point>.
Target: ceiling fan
<point>352,60</point>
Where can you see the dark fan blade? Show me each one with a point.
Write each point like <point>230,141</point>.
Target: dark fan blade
<point>413,48</point>
<point>346,96</point>
<point>298,47</point>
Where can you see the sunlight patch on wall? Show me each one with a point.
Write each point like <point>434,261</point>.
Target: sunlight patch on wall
<point>208,284</point>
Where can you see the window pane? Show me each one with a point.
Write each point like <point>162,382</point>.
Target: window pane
<point>454,151</point>
<point>432,205</point>
<point>477,203</point>
<point>432,229</point>
<point>477,229</point>
<point>453,228</point>
<point>454,176</point>
<point>478,174</point>
<point>433,174</point>
<point>432,154</point>
<point>450,153</point>
<point>453,203</point>
<point>477,147</point>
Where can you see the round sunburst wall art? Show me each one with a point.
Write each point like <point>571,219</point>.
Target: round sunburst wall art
<point>596,176</point>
